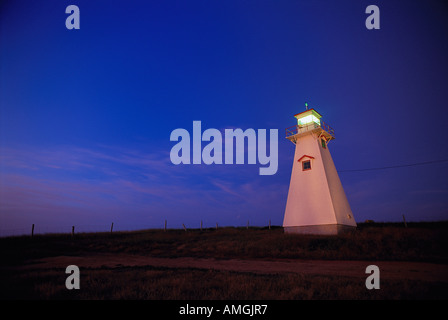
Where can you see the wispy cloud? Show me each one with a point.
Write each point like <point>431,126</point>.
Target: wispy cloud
<point>60,183</point>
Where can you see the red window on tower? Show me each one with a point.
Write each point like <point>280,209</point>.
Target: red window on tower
<point>306,165</point>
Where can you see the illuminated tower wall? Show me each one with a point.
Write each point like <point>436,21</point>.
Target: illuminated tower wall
<point>316,199</point>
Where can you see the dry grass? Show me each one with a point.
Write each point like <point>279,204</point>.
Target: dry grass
<point>148,283</point>
<point>419,242</point>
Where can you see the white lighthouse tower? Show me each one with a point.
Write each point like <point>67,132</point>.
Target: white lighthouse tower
<point>316,203</point>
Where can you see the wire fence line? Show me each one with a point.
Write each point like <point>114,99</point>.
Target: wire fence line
<point>37,229</point>
<point>396,166</point>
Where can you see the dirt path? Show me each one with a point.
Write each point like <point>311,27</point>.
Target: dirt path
<point>388,269</point>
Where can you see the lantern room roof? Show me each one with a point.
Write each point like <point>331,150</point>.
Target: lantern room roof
<point>307,113</point>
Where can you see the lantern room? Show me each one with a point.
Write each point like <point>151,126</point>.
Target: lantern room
<point>309,121</point>
<point>308,117</point>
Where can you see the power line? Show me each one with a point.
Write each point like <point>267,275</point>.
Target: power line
<point>398,166</point>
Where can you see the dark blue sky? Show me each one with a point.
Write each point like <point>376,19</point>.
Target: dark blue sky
<point>86,115</point>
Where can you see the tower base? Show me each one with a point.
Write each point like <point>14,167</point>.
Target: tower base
<point>321,229</point>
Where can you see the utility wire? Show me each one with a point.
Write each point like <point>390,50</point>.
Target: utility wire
<point>398,166</point>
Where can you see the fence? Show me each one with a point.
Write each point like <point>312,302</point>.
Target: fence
<point>36,229</point>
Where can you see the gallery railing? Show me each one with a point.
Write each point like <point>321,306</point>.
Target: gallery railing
<point>307,127</point>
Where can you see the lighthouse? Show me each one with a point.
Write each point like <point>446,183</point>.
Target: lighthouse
<point>316,202</point>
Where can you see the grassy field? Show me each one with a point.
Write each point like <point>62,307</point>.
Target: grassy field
<point>423,242</point>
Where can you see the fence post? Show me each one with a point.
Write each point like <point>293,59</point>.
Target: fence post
<point>164,229</point>
<point>185,228</point>
<point>32,231</point>
<point>201,225</point>
<point>73,231</point>
<point>404,220</point>
<point>216,225</point>
<point>111,227</point>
